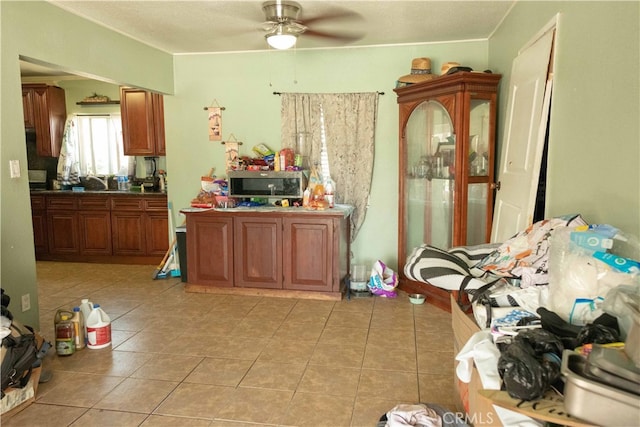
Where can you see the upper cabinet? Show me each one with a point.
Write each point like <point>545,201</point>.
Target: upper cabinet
<point>142,122</point>
<point>45,111</point>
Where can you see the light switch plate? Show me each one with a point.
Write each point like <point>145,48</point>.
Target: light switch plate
<point>14,167</point>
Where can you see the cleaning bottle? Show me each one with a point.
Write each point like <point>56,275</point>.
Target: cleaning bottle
<point>85,307</point>
<point>78,328</point>
<point>65,339</point>
<point>98,328</point>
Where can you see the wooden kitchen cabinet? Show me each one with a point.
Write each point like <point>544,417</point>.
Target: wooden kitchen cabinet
<point>142,122</point>
<point>28,108</point>
<point>140,226</point>
<point>308,254</point>
<point>94,224</point>
<point>447,132</point>
<point>63,225</point>
<point>270,251</point>
<point>100,227</point>
<point>39,222</point>
<point>258,252</point>
<point>45,111</point>
<point>210,248</point>
<point>156,226</point>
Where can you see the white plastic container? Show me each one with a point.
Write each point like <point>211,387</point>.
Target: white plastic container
<point>85,308</point>
<point>98,329</point>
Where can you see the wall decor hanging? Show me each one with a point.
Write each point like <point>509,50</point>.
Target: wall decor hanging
<point>231,154</point>
<point>214,113</point>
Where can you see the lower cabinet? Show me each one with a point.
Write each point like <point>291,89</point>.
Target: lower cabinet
<point>210,249</point>
<point>39,222</point>
<point>258,252</point>
<point>77,227</point>
<point>305,251</point>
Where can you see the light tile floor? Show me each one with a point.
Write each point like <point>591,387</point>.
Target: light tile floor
<point>184,359</point>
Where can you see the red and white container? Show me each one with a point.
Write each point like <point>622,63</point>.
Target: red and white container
<point>98,328</point>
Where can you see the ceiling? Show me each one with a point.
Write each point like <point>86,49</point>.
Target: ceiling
<point>212,26</point>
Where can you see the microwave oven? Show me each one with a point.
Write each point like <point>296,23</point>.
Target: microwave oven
<point>281,184</point>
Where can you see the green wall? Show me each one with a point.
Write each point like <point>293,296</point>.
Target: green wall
<point>40,31</point>
<point>594,138</point>
<point>244,85</point>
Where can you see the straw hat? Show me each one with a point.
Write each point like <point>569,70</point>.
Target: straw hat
<point>446,66</point>
<point>420,72</point>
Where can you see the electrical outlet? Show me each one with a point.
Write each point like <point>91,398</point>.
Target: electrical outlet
<point>26,302</point>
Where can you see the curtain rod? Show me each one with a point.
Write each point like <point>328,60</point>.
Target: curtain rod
<point>280,93</point>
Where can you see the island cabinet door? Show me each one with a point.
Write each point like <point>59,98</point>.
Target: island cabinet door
<point>308,254</point>
<point>210,249</point>
<point>258,252</point>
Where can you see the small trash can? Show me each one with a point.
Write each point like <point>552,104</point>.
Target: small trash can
<point>181,240</point>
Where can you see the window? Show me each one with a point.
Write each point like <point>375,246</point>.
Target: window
<point>100,150</point>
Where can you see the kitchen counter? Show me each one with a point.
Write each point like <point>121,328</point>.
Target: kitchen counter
<point>337,210</point>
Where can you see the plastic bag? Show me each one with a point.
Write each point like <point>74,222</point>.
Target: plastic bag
<point>383,281</point>
<point>530,364</point>
<point>582,269</point>
<point>624,303</point>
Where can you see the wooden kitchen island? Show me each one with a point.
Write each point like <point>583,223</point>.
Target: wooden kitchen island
<point>272,251</point>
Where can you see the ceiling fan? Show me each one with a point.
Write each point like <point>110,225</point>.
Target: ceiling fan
<point>283,26</point>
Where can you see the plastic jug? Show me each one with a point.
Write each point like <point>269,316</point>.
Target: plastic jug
<point>98,328</point>
<point>78,328</point>
<point>85,308</point>
<point>65,338</point>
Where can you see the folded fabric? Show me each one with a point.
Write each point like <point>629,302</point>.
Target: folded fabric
<point>413,415</point>
<point>480,350</point>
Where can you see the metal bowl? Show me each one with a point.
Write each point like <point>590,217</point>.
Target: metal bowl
<point>417,298</point>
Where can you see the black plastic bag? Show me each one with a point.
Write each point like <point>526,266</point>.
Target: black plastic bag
<point>597,334</point>
<point>541,341</point>
<point>525,374</point>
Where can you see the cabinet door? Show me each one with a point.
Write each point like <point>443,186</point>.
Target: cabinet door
<point>158,123</point>
<point>94,232</point>
<point>157,238</point>
<point>258,252</point>
<point>142,122</point>
<point>39,221</point>
<point>308,254</point>
<point>49,118</point>
<point>128,233</point>
<point>27,108</point>
<point>62,227</point>
<point>210,249</point>
<point>428,176</point>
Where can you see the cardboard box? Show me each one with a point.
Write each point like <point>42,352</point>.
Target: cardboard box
<point>479,411</point>
<point>17,399</point>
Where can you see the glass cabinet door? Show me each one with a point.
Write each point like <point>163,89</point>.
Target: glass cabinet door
<point>429,176</point>
<point>478,171</point>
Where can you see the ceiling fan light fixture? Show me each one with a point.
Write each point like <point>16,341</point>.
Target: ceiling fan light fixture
<point>281,39</point>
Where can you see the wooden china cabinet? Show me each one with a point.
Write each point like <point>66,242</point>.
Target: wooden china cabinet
<point>447,144</point>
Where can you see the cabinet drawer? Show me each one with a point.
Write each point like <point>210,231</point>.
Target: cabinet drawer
<point>94,203</point>
<point>62,202</point>
<point>155,204</point>
<point>38,203</point>
<point>127,204</point>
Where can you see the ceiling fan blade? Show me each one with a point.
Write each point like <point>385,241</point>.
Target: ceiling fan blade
<point>334,15</point>
<point>346,37</point>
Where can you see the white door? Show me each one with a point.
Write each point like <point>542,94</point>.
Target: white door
<point>525,127</point>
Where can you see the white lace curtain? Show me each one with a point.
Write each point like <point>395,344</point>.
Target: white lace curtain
<point>350,120</point>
